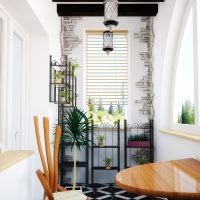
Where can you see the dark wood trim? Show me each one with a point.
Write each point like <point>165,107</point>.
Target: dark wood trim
<point>98,9</point>
<point>100,1</point>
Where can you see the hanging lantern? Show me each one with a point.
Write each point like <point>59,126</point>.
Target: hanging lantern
<point>111,13</point>
<point>107,41</point>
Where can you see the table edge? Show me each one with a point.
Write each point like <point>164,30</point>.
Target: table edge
<point>166,194</point>
<point>12,157</point>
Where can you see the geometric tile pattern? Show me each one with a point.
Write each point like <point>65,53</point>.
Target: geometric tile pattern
<point>112,192</point>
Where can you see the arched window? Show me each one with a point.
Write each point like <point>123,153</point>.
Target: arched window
<point>185,108</point>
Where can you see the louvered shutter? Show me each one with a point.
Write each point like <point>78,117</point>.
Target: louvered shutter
<point>107,75</point>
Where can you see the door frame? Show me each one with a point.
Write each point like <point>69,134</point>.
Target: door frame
<point>6,128</point>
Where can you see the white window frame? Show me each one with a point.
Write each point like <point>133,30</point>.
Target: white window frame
<point>11,27</point>
<point>187,127</point>
<point>17,30</point>
<point>3,63</point>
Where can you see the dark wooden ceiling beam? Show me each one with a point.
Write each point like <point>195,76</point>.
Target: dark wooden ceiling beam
<point>98,10</point>
<point>100,1</point>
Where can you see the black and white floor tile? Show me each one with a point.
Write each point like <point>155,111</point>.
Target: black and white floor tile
<point>112,192</point>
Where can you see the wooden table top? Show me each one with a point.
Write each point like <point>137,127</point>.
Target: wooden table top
<point>176,179</point>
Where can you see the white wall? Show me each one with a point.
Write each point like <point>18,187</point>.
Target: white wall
<point>17,181</point>
<point>38,18</point>
<point>167,26</point>
<point>136,72</point>
<point>46,13</point>
<point>136,66</point>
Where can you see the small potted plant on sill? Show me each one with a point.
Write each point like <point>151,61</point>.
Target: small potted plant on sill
<point>108,162</point>
<point>141,160</point>
<point>59,75</point>
<point>101,139</point>
<point>141,140</point>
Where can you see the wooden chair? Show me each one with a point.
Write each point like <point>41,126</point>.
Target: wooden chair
<point>49,179</point>
<point>68,195</point>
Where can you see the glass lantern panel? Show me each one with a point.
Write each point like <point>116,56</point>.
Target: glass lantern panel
<point>111,10</point>
<point>108,39</point>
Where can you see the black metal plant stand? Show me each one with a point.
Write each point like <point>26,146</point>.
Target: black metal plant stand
<point>112,144</point>
<point>134,152</point>
<point>62,91</point>
<point>62,83</point>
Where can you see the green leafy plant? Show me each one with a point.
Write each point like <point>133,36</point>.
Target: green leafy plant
<point>91,107</point>
<point>111,109</point>
<point>100,106</point>
<point>139,137</point>
<point>63,93</point>
<point>75,67</point>
<point>108,162</point>
<point>74,130</point>
<point>59,75</point>
<point>101,139</point>
<point>187,115</point>
<point>105,114</point>
<point>141,160</point>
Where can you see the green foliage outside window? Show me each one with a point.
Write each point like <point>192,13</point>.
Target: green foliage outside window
<point>187,115</point>
<point>105,115</point>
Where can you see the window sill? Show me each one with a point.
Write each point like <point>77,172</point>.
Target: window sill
<point>188,136</point>
<point>10,158</point>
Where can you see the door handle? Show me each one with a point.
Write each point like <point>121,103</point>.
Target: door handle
<point>16,134</point>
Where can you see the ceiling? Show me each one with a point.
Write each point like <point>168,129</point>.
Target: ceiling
<point>96,7</point>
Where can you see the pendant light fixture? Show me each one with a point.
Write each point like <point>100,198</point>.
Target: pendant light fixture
<point>111,13</point>
<point>107,41</point>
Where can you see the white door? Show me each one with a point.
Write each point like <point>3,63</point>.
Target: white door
<point>16,105</point>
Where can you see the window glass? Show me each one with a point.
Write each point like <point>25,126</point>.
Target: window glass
<point>184,110</point>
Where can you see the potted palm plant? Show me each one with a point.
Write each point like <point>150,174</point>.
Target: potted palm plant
<point>75,129</point>
<point>140,140</point>
<point>101,139</point>
<point>108,162</point>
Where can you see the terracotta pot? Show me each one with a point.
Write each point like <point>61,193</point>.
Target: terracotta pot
<point>100,144</point>
<point>108,166</point>
<point>139,144</point>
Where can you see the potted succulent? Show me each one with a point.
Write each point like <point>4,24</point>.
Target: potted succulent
<point>101,139</point>
<point>108,162</point>
<point>63,95</point>
<point>75,129</point>
<point>59,75</point>
<point>141,160</point>
<point>140,140</point>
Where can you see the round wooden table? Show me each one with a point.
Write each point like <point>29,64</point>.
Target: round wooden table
<point>176,179</point>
